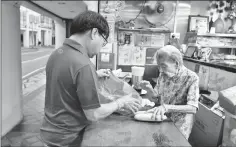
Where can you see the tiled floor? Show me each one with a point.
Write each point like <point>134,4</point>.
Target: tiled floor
<point>27,132</point>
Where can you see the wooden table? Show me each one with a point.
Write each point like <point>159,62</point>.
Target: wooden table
<point>117,130</point>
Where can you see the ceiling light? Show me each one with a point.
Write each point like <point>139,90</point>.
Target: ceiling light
<point>61,3</point>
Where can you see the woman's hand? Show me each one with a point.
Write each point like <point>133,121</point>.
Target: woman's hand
<point>148,87</point>
<point>158,113</point>
<point>103,73</point>
<point>145,85</point>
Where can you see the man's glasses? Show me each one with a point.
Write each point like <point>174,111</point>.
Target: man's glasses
<point>104,41</point>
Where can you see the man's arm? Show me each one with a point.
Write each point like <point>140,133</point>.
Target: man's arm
<point>126,102</point>
<point>103,111</point>
<point>87,93</point>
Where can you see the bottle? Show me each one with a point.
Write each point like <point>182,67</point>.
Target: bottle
<point>219,25</point>
<point>210,24</point>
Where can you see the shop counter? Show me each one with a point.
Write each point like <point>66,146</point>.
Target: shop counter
<point>221,64</point>
<point>119,130</point>
<point>215,75</point>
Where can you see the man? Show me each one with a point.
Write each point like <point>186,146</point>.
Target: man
<point>71,98</point>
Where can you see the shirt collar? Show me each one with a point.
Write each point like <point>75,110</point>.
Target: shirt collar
<point>75,45</point>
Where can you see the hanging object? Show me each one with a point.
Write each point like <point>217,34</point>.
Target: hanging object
<point>219,25</point>
<point>159,13</point>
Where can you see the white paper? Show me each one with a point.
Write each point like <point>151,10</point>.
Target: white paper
<point>131,55</point>
<point>138,56</point>
<point>105,57</point>
<point>124,57</point>
<point>158,40</point>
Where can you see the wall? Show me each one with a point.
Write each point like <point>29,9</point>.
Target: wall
<point>183,11</point>
<point>26,33</point>
<point>11,67</point>
<point>93,6</point>
<point>60,33</point>
<point>199,7</point>
<point>1,69</point>
<point>186,8</point>
<point>68,24</point>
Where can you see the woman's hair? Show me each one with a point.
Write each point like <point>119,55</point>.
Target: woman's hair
<point>170,53</point>
<point>88,20</point>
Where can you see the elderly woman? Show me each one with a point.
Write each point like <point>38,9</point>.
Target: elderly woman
<point>176,89</point>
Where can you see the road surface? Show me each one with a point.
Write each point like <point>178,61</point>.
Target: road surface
<point>34,60</point>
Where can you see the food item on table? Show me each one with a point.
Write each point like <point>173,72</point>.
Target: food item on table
<point>144,117</point>
<point>147,116</point>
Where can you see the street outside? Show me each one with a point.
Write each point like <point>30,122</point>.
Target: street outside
<point>33,59</point>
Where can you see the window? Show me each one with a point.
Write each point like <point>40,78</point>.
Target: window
<point>42,19</point>
<point>31,18</point>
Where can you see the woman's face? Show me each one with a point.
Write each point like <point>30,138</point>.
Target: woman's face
<point>167,67</point>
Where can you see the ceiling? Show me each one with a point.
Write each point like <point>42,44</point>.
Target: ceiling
<point>64,9</point>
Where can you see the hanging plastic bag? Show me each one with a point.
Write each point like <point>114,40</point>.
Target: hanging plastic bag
<point>114,88</point>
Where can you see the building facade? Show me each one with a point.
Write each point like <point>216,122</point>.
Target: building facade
<point>36,29</point>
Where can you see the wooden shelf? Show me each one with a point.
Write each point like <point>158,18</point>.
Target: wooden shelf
<point>212,46</point>
<point>217,35</point>
<point>154,30</point>
<point>219,46</point>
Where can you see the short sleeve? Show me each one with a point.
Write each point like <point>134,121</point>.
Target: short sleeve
<point>193,93</point>
<point>86,83</point>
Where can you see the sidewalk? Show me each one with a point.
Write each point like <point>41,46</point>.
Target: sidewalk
<point>27,132</point>
<point>34,49</point>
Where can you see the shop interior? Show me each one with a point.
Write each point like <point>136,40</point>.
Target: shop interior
<point>204,32</point>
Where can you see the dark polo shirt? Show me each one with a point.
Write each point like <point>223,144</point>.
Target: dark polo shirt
<point>71,86</point>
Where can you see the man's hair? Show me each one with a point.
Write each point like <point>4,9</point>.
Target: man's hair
<point>88,20</point>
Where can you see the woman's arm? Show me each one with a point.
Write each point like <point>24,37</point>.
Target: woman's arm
<point>180,108</point>
<point>192,100</point>
<point>151,93</point>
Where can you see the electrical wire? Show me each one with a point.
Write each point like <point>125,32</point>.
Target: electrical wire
<point>138,13</point>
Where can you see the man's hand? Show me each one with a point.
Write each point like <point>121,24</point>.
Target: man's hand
<point>158,113</point>
<point>103,73</point>
<point>130,103</point>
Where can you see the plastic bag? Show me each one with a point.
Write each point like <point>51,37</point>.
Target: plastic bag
<point>114,88</point>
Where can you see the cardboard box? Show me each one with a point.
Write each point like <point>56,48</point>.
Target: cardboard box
<point>227,99</point>
<point>229,133</point>
<point>208,127</point>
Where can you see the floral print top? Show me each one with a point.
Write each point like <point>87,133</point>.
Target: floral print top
<point>182,89</point>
